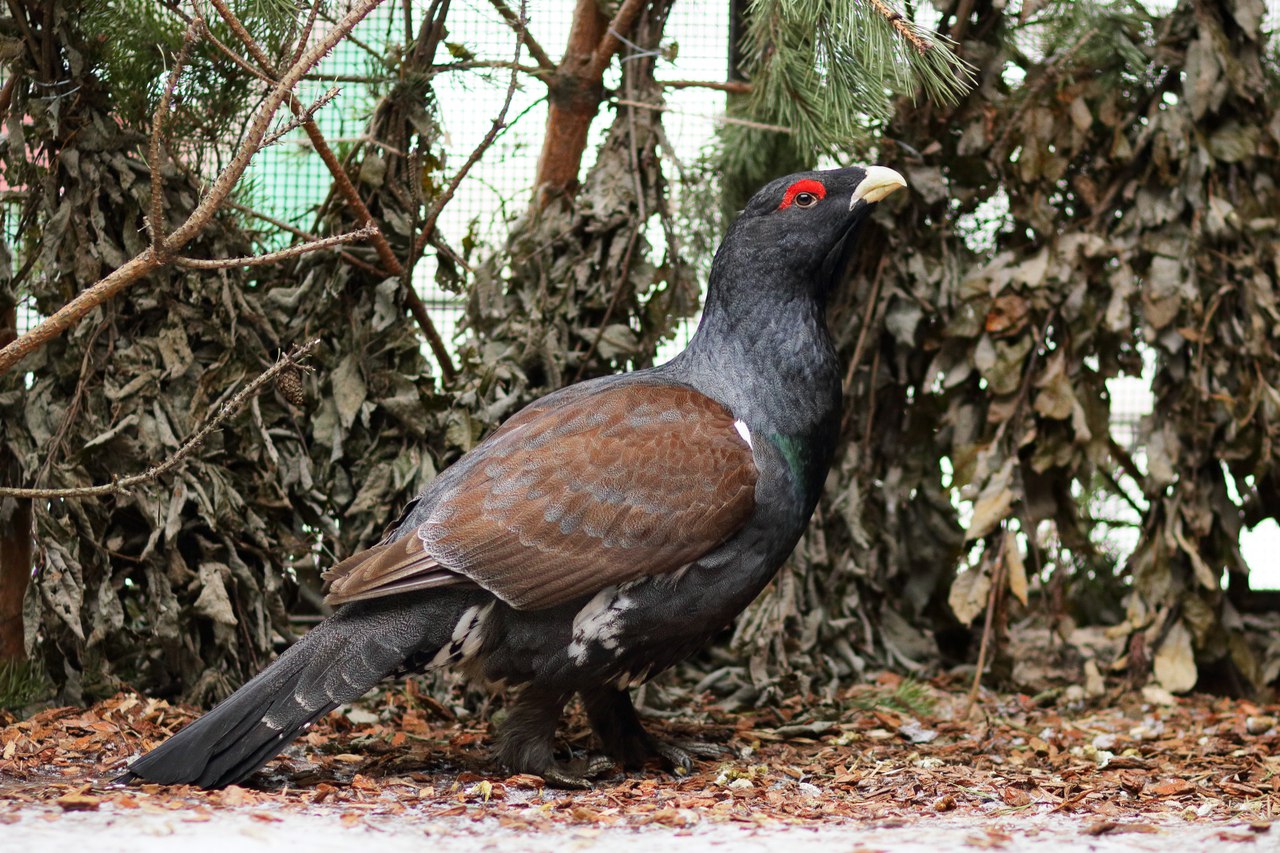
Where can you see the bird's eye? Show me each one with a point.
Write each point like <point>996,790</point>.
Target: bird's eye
<point>803,193</point>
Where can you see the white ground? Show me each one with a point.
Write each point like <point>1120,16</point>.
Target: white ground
<point>238,832</point>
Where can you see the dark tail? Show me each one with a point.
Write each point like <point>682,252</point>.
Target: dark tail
<point>336,662</point>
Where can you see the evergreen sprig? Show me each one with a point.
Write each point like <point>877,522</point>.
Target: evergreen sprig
<point>830,70</point>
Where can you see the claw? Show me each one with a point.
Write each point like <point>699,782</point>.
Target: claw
<point>558,778</point>
<point>679,755</point>
<point>577,775</point>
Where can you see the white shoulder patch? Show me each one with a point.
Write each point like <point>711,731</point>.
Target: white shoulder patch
<point>741,427</point>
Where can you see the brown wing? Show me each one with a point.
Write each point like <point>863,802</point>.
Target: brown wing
<point>631,480</point>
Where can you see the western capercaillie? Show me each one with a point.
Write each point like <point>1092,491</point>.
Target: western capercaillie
<point>604,532</point>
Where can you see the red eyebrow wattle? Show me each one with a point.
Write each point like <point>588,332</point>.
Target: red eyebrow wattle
<point>808,185</point>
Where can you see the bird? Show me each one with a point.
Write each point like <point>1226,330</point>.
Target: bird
<point>602,534</point>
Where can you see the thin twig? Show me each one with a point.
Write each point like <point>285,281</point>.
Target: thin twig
<point>499,123</point>
<point>305,116</point>
<point>868,320</point>
<point>54,447</point>
<point>993,599</point>
<point>287,361</point>
<point>1122,492</point>
<point>362,79</point>
<point>733,87</point>
<point>720,119</point>
<point>284,254</point>
<point>520,24</point>
<point>902,25</point>
<point>357,140</point>
<point>471,64</point>
<point>155,218</point>
<point>438,243</point>
<point>305,235</point>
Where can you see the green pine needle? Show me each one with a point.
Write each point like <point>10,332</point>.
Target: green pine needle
<point>830,70</point>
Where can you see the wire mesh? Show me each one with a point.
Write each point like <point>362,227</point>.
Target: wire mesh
<point>290,181</point>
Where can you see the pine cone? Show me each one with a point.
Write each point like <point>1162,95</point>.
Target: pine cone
<point>289,381</point>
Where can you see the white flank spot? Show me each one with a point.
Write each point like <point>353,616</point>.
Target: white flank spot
<point>467,635</point>
<point>598,622</point>
<point>475,634</point>
<point>741,427</point>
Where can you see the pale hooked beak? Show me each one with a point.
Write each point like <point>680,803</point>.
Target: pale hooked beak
<point>880,182</point>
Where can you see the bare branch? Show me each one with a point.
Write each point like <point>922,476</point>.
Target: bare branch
<point>135,268</point>
<point>288,361</point>
<point>155,218</point>
<point>300,118</point>
<point>520,24</point>
<point>500,122</point>
<point>719,119</point>
<point>282,255</point>
<point>307,28</point>
<point>342,182</point>
<point>362,79</point>
<point>733,87</point>
<point>305,235</point>
<point>623,21</point>
<point>993,599</point>
<point>469,64</point>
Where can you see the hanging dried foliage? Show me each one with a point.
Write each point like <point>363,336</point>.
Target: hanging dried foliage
<point>1125,168</point>
<point>120,576</point>
<point>577,291</point>
<point>182,585</point>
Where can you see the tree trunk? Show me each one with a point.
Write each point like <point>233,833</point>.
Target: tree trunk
<point>15,537</point>
<point>574,98</point>
<point>15,570</point>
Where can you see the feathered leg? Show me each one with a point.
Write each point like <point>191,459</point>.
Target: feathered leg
<point>616,723</point>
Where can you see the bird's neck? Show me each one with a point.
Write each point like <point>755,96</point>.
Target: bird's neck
<point>772,362</point>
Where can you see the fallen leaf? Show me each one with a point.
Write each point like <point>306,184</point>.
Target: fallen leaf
<point>1172,788</point>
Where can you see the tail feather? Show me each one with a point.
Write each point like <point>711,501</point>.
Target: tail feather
<point>336,662</point>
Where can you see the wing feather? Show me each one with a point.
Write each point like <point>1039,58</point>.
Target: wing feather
<point>633,479</point>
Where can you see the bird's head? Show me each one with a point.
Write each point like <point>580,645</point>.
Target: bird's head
<point>805,222</point>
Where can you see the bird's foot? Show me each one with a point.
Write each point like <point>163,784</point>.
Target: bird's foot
<point>577,774</point>
<point>679,755</point>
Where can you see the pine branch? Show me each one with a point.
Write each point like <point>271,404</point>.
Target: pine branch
<point>154,257</point>
<point>832,69</point>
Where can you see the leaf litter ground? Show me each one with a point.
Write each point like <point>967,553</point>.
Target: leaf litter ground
<point>1123,771</point>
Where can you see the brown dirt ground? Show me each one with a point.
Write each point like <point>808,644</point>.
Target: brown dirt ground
<point>1120,763</point>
